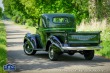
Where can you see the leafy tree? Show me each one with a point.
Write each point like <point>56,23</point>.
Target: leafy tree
<point>0,12</point>
<point>81,9</point>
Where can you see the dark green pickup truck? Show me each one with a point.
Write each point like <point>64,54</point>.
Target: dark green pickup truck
<point>56,34</point>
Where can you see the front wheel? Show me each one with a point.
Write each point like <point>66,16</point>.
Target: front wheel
<point>28,49</point>
<point>53,56</point>
<point>89,54</point>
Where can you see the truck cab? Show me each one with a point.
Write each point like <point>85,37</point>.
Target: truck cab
<point>56,34</point>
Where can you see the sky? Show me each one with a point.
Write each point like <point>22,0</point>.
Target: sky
<point>1,5</point>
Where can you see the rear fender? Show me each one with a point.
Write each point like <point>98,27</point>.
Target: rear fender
<point>56,42</point>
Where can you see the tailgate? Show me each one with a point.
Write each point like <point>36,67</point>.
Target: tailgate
<point>84,38</point>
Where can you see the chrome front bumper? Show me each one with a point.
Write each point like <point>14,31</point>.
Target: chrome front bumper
<point>83,48</point>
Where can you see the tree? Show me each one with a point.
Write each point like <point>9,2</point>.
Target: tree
<point>0,12</point>
<point>32,9</point>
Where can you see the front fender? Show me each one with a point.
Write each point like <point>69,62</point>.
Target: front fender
<point>30,38</point>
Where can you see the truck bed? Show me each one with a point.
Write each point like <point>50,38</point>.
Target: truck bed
<point>84,38</point>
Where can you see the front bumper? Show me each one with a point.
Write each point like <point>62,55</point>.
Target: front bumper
<point>83,48</point>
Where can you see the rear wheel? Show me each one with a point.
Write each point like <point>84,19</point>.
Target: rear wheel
<point>28,49</point>
<point>53,56</point>
<point>89,54</point>
<point>71,53</point>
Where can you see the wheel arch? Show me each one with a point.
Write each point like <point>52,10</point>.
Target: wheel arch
<point>53,40</point>
<point>31,39</point>
<point>24,40</point>
<point>48,44</point>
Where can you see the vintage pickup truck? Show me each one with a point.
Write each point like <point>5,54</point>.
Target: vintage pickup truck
<point>56,34</point>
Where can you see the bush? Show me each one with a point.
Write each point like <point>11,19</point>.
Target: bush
<point>14,18</point>
<point>23,21</point>
<point>29,22</point>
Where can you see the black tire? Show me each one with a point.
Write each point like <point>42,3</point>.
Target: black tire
<point>89,54</point>
<point>53,56</point>
<point>60,53</point>
<point>70,53</point>
<point>28,49</point>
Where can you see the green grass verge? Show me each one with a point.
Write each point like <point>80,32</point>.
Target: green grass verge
<point>103,26</point>
<point>3,52</point>
<point>105,37</point>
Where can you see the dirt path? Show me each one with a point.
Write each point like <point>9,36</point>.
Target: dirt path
<point>40,63</point>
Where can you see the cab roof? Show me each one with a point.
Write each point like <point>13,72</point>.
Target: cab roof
<point>50,15</point>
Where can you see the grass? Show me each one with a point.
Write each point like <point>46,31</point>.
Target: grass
<point>3,53</point>
<point>103,26</point>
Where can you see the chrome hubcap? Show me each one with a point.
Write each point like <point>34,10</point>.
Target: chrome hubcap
<point>28,49</point>
<point>51,53</point>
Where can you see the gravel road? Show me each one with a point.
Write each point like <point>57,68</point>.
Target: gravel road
<point>39,63</point>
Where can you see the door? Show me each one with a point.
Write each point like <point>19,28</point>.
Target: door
<point>42,32</point>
